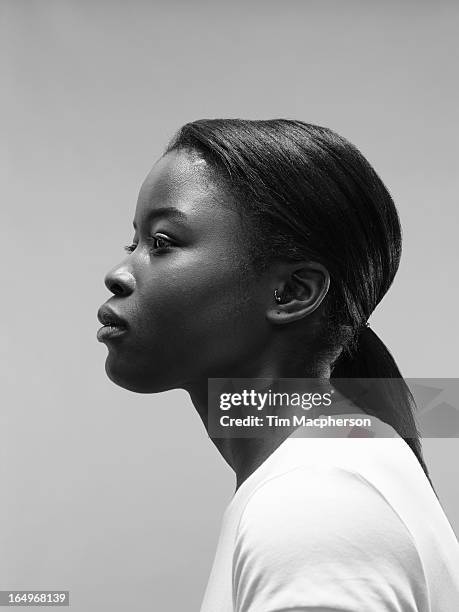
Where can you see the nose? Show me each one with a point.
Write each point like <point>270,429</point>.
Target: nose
<point>120,282</point>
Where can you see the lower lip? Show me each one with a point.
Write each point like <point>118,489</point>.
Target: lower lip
<point>108,332</point>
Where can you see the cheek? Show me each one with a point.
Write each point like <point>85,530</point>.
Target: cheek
<point>201,313</point>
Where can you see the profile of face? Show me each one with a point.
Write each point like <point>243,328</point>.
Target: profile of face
<point>183,291</point>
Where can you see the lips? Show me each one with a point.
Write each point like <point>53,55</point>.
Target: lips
<point>107,316</point>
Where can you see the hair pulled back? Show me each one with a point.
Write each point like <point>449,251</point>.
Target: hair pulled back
<point>311,194</point>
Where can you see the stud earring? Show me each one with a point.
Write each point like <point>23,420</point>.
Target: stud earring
<point>277,297</point>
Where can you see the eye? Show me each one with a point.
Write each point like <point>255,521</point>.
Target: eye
<point>159,243</point>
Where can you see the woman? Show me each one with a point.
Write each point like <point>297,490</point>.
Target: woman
<point>261,248</point>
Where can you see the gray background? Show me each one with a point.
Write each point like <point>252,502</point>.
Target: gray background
<point>117,496</point>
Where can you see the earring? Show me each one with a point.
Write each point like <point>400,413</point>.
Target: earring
<point>277,297</point>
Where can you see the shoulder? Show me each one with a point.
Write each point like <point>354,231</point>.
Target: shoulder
<point>310,497</point>
<point>324,529</point>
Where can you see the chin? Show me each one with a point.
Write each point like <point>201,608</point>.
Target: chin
<point>134,380</point>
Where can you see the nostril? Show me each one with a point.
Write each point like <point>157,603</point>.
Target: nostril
<point>120,282</point>
<point>116,288</point>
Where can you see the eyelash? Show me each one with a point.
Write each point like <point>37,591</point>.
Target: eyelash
<point>130,248</point>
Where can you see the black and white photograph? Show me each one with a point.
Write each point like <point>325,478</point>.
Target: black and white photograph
<point>229,362</point>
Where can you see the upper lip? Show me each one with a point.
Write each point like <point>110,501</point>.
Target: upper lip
<point>107,316</point>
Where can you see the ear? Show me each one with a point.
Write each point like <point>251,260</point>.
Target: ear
<point>301,286</point>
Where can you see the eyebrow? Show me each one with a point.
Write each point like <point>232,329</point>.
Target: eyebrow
<point>165,211</point>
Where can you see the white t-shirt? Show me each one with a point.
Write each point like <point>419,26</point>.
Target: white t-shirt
<point>336,524</point>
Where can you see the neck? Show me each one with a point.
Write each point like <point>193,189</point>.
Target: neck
<point>245,455</point>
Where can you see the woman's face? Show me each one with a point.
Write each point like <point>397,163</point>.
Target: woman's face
<point>190,308</point>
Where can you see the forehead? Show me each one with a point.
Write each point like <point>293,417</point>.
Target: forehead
<point>184,180</point>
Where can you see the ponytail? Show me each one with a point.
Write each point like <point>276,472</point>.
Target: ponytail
<point>391,401</point>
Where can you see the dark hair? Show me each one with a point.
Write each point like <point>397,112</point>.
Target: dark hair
<point>312,195</point>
